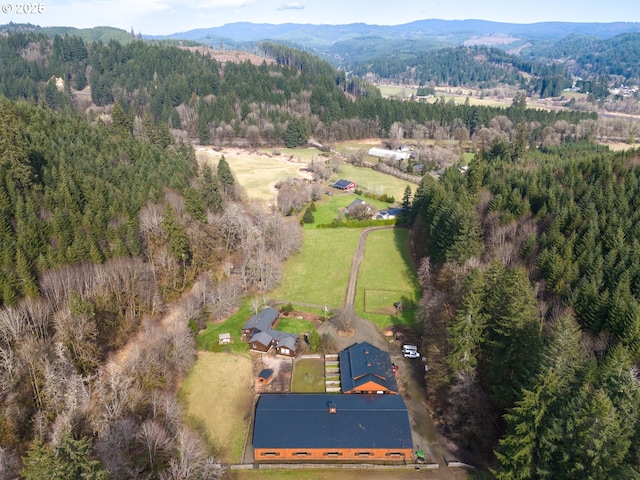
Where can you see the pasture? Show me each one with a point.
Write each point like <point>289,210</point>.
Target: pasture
<point>319,272</point>
<point>218,402</point>
<point>388,273</point>
<point>375,182</point>
<point>256,173</point>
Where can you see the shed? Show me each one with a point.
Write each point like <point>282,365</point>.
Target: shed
<point>329,427</point>
<point>265,376</point>
<point>224,338</point>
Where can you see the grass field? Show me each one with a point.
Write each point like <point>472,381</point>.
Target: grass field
<point>328,209</point>
<point>218,401</point>
<point>349,474</point>
<point>257,174</point>
<point>308,376</point>
<point>375,182</point>
<point>319,273</point>
<point>388,274</point>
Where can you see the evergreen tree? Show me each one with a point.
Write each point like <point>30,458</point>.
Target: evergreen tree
<point>226,177</point>
<point>210,190</point>
<point>176,234</point>
<point>308,216</point>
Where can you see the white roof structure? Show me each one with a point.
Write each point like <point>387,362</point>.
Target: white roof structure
<point>389,154</point>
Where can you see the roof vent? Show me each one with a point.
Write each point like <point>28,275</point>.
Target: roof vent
<point>332,407</point>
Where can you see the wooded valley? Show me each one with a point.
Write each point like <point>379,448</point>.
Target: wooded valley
<point>529,259</point>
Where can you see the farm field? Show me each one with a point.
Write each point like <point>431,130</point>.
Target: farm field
<point>256,173</point>
<point>388,274</point>
<point>375,182</point>
<point>218,401</point>
<point>319,272</point>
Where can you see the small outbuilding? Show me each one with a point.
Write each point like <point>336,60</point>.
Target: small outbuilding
<point>346,185</point>
<point>224,339</point>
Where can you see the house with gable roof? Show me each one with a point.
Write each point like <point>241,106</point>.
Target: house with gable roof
<point>259,332</point>
<point>365,368</point>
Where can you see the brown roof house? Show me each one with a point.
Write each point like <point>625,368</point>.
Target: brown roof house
<point>258,332</point>
<point>366,369</point>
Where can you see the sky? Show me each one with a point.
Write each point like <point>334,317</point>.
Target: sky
<point>163,17</point>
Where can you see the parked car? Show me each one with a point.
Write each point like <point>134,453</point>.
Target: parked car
<point>410,351</point>
<point>409,348</point>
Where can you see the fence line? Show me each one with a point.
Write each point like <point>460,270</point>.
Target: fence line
<point>348,466</point>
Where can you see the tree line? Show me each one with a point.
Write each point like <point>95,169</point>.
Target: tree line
<point>531,308</point>
<point>101,227</point>
<point>271,103</point>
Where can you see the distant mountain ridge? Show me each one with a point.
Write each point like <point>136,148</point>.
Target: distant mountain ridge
<point>456,30</point>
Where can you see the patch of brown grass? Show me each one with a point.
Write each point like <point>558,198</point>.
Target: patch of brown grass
<point>218,402</point>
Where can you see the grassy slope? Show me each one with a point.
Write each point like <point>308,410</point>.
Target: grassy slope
<point>218,399</point>
<point>328,209</point>
<point>387,265</point>
<point>375,182</point>
<point>257,174</point>
<point>319,273</point>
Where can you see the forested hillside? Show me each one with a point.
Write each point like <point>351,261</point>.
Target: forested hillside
<point>284,102</point>
<point>99,230</point>
<point>590,57</point>
<point>480,67</point>
<point>531,311</point>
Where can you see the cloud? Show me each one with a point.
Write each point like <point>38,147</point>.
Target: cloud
<point>292,6</point>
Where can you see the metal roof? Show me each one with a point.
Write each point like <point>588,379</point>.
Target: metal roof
<point>362,363</point>
<point>263,320</point>
<point>342,183</point>
<point>304,421</point>
<point>390,154</point>
<point>288,342</point>
<point>262,337</point>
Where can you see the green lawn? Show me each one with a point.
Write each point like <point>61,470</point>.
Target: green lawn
<point>294,325</point>
<point>328,209</point>
<point>376,182</point>
<point>388,274</point>
<point>308,376</point>
<point>208,338</point>
<point>319,273</point>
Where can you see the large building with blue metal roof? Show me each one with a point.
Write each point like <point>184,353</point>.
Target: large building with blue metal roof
<point>330,427</point>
